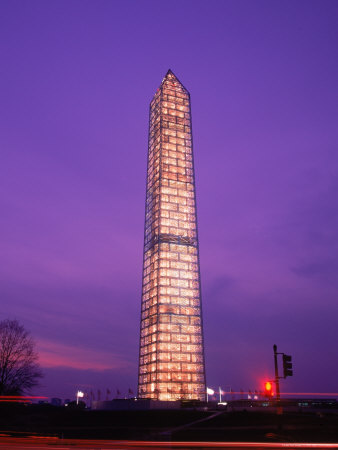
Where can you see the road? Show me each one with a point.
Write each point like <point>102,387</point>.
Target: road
<point>40,443</point>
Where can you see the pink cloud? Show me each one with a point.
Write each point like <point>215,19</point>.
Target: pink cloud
<point>54,354</point>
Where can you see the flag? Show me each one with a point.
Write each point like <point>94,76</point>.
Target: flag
<point>210,391</point>
<point>107,394</point>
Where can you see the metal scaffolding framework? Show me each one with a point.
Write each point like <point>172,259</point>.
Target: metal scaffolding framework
<point>171,364</point>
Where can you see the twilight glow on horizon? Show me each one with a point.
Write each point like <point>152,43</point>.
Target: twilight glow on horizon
<point>77,78</point>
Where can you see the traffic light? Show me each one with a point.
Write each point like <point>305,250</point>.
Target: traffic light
<point>287,366</point>
<point>268,389</point>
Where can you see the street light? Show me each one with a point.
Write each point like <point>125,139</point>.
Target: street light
<point>79,394</point>
<point>209,392</point>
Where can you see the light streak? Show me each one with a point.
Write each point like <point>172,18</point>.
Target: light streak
<point>20,398</point>
<point>225,444</point>
<point>324,394</point>
<point>104,444</point>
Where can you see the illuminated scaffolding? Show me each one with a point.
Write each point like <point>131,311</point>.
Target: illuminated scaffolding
<point>171,365</point>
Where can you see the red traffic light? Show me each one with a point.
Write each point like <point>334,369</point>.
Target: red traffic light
<point>268,386</point>
<point>268,389</point>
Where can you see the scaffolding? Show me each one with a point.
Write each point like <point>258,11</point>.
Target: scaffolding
<point>171,362</point>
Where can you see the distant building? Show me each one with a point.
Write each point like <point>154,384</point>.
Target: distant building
<point>171,364</point>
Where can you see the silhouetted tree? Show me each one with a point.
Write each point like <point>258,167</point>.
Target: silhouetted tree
<point>19,370</point>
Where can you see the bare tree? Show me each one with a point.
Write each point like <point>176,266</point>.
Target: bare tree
<point>19,370</point>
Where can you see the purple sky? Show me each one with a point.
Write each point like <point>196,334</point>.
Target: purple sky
<point>76,81</point>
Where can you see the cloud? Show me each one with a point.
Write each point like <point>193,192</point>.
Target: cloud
<point>219,286</point>
<point>324,269</point>
<point>53,354</point>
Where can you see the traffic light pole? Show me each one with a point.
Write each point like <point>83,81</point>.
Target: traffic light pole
<point>276,373</point>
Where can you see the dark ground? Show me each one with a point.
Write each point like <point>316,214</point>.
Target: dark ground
<point>168,425</point>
